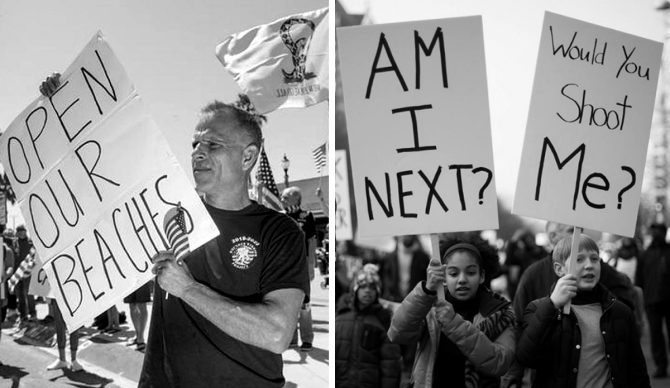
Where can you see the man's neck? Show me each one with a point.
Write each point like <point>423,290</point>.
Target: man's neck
<point>227,202</point>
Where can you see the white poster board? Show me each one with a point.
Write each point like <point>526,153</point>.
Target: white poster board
<point>343,226</point>
<point>94,178</point>
<point>419,130</point>
<point>588,126</point>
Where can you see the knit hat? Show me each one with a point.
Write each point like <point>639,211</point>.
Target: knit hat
<point>366,276</point>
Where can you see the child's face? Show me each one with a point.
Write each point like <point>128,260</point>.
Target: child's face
<point>366,294</point>
<point>586,268</point>
<point>463,275</point>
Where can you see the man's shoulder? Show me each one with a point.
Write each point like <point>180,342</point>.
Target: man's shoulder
<point>538,268</point>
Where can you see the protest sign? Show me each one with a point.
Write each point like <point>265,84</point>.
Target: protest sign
<point>94,178</point>
<point>419,129</point>
<point>588,126</point>
<point>343,226</point>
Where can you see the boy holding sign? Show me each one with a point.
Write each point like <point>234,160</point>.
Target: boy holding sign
<point>467,337</point>
<point>596,343</point>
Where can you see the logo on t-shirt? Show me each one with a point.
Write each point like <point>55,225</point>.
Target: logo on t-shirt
<point>244,251</point>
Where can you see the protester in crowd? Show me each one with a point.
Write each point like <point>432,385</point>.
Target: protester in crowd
<point>113,321</point>
<point>404,268</point>
<point>6,270</point>
<point>11,308</point>
<point>538,279</point>
<point>653,276</point>
<point>61,339</point>
<point>364,356</point>
<point>595,344</point>
<point>625,260</point>
<point>137,303</point>
<point>467,340</point>
<point>625,257</point>
<point>291,199</point>
<point>233,303</point>
<point>26,302</point>
<point>520,253</point>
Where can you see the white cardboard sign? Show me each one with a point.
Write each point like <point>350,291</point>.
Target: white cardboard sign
<point>419,129</point>
<point>94,177</point>
<point>588,126</point>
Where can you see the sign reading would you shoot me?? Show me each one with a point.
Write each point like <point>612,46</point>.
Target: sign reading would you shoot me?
<point>419,128</point>
<point>588,126</point>
<point>94,178</point>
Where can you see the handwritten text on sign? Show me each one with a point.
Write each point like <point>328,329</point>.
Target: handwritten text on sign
<point>418,123</point>
<point>94,178</point>
<point>588,126</point>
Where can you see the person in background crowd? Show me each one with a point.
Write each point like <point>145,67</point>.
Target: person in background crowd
<point>625,257</point>
<point>22,247</point>
<point>291,199</point>
<point>61,339</point>
<point>538,279</point>
<point>6,270</point>
<point>137,302</point>
<point>364,356</point>
<point>653,276</point>
<point>595,344</point>
<point>520,253</point>
<point>625,261</point>
<point>467,340</point>
<point>404,268</point>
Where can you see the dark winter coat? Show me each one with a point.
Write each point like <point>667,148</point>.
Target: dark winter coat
<point>652,273</point>
<point>415,319</point>
<point>364,356</point>
<point>550,342</point>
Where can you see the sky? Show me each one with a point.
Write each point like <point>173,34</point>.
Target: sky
<point>511,40</point>
<point>168,51</point>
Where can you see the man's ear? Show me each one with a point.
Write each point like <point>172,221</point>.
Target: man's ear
<point>559,269</point>
<point>249,156</point>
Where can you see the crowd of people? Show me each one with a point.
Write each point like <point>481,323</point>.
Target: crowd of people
<point>511,314</point>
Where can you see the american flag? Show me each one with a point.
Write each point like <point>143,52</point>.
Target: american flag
<point>23,272</point>
<point>268,195</point>
<point>319,154</point>
<point>174,225</point>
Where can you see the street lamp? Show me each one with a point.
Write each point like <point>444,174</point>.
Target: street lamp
<point>285,163</point>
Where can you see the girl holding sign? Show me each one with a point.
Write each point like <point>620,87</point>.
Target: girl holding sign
<point>596,343</point>
<point>466,340</point>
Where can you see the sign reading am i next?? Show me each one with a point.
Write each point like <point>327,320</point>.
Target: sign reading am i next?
<point>417,113</point>
<point>588,126</point>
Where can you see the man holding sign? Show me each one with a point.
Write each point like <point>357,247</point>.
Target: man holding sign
<point>232,303</point>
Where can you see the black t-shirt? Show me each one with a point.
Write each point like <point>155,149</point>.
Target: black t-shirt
<point>306,222</point>
<point>258,251</point>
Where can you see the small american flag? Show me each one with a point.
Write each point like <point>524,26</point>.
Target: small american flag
<point>175,231</point>
<point>23,272</point>
<point>268,195</point>
<point>319,154</point>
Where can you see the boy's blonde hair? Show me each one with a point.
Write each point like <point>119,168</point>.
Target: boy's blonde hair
<point>564,245</point>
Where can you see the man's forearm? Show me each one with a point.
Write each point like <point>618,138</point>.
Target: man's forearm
<point>266,325</point>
